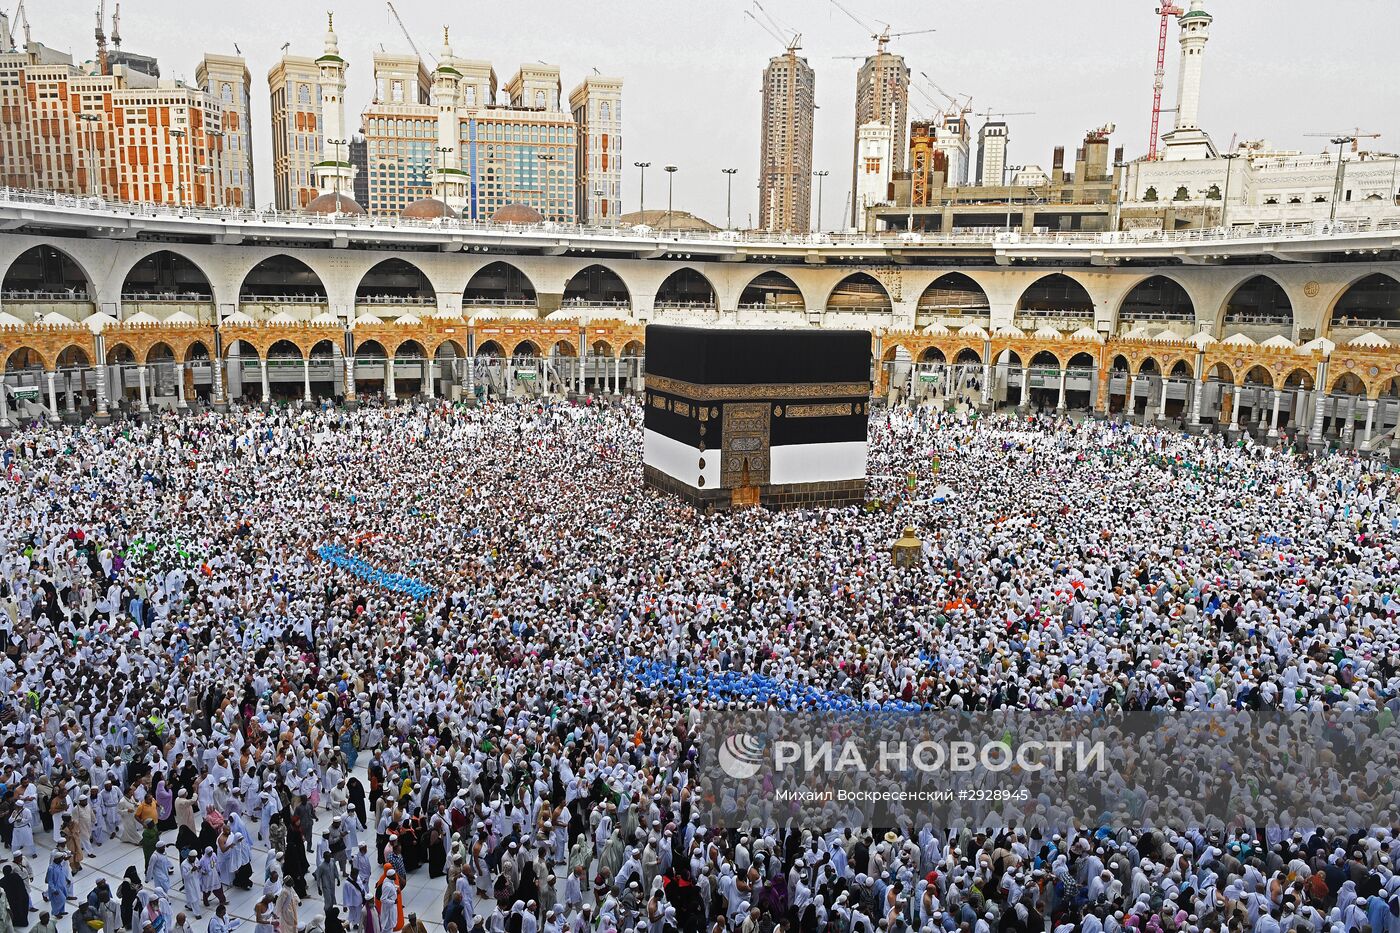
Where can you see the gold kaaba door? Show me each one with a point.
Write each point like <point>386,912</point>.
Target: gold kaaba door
<point>746,461</point>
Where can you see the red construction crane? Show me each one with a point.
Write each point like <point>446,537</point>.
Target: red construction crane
<point>1166,11</point>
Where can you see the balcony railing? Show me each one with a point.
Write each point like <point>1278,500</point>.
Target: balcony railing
<point>859,309</point>
<point>417,300</point>
<point>26,294</point>
<point>499,302</point>
<point>173,297</point>
<point>282,299</point>
<point>595,303</point>
<point>685,306</point>
<point>1282,230</point>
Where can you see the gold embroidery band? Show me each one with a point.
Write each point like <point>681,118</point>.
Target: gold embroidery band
<point>820,411</point>
<point>779,390</point>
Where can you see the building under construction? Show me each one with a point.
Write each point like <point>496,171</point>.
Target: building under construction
<point>922,198</point>
<point>785,157</point>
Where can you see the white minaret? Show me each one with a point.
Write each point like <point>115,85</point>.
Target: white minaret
<point>334,173</point>
<point>1195,30</point>
<point>449,181</point>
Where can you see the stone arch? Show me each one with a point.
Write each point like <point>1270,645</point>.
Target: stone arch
<point>687,286</point>
<point>955,293</point>
<point>490,348</point>
<point>247,349</point>
<point>499,283</point>
<point>1148,365</point>
<point>525,348</point>
<point>121,353</point>
<point>68,357</point>
<point>283,277</point>
<point>772,291</point>
<point>26,358</point>
<point>1259,302</point>
<point>159,352</point>
<point>1157,299</point>
<point>1221,372</point>
<point>315,353</point>
<point>197,350</point>
<point>600,348</point>
<point>859,291</point>
<point>1056,295</point>
<point>932,355</point>
<point>1179,369</point>
<point>1304,379</point>
<point>459,350</point>
<point>1258,375</point>
<point>634,349</point>
<point>1119,364</point>
<point>968,356</point>
<point>371,349</point>
<point>395,281</point>
<point>1346,383</point>
<point>596,284</point>
<point>1046,358</point>
<point>563,348</point>
<point>165,274</point>
<point>1082,360</point>
<point>47,268</point>
<point>408,349</point>
<point>284,349</point>
<point>1371,302</point>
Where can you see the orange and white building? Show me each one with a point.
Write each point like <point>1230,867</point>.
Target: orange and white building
<point>124,135</point>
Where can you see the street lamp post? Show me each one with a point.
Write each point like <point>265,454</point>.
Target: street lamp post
<point>546,158</point>
<point>90,119</point>
<point>642,199</point>
<point>729,198</point>
<point>820,176</point>
<point>442,152</point>
<point>1339,142</point>
<point>670,178</point>
<point>178,134</point>
<point>1229,158</point>
<point>337,143</point>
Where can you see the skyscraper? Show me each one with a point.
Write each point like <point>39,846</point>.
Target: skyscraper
<point>882,96</point>
<point>443,135</point>
<point>991,154</point>
<point>226,79</point>
<point>785,152</point>
<point>597,107</point>
<point>296,130</point>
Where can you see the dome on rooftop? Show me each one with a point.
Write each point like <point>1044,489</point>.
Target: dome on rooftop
<point>427,209</point>
<point>333,203</point>
<point>517,214</point>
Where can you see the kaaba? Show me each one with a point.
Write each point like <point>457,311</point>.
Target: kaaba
<point>757,417</point>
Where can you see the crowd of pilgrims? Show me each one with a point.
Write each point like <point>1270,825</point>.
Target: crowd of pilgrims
<point>185,679</point>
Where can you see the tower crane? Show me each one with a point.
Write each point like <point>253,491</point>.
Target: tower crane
<point>23,19</point>
<point>792,43</point>
<point>882,36</point>
<point>404,29</point>
<point>988,114</point>
<point>790,38</point>
<point>1351,136</point>
<point>1166,11</point>
<point>117,27</point>
<point>103,67</point>
<point>961,103</point>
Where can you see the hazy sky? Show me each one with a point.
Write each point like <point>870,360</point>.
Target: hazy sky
<point>1276,69</point>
